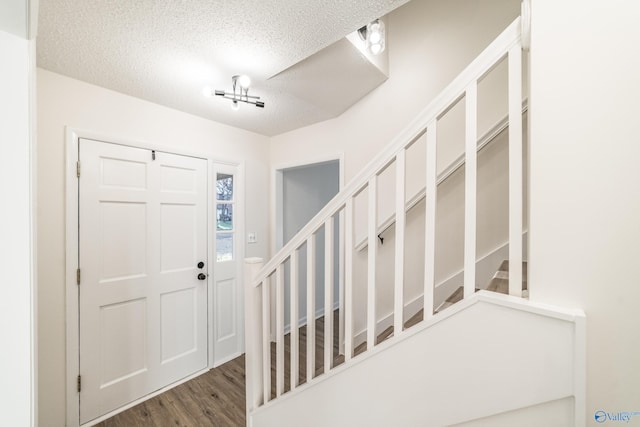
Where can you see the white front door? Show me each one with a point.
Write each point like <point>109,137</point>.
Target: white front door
<point>143,308</point>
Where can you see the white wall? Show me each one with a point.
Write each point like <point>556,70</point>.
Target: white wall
<point>585,203</point>
<point>66,102</point>
<point>17,305</point>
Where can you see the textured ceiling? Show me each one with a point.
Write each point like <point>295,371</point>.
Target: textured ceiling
<point>165,51</point>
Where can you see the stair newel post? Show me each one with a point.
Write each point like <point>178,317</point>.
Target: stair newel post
<point>311,306</point>
<point>279,330</point>
<point>515,170</point>
<point>253,333</point>
<point>348,279</point>
<point>294,343</point>
<point>328,293</point>
<point>371,263</point>
<point>470,188</point>
<point>431,193</point>
<point>398,316</point>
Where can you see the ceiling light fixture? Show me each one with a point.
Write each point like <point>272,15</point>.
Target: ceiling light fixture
<point>374,36</point>
<point>240,93</point>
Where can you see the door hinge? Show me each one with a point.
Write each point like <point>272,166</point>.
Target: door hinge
<point>79,383</point>
<point>78,168</point>
<point>78,276</point>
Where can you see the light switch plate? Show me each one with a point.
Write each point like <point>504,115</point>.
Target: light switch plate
<point>252,237</point>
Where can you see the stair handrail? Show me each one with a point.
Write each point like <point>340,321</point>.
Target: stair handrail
<point>479,67</point>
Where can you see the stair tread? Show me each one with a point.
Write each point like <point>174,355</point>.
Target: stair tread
<point>455,297</point>
<point>385,334</point>
<point>500,281</point>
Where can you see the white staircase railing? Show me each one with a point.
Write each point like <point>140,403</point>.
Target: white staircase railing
<point>266,282</point>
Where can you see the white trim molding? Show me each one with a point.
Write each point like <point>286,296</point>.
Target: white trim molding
<point>71,288</point>
<point>276,190</point>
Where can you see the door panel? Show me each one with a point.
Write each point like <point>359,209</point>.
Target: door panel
<point>178,330</point>
<point>122,326</point>
<point>123,249</point>
<point>226,309</point>
<point>179,237</point>
<point>143,228</point>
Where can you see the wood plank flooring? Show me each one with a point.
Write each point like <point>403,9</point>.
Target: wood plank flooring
<point>216,398</point>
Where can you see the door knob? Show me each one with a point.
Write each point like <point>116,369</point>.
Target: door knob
<point>202,276</point>
<point>201,264</point>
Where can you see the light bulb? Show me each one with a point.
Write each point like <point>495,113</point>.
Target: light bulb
<point>235,106</point>
<point>375,37</point>
<point>207,91</point>
<point>244,81</point>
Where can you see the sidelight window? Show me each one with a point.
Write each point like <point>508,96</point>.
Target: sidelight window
<point>224,217</point>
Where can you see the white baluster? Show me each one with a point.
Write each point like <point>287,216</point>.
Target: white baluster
<point>398,312</point>
<point>294,344</point>
<point>266,340</point>
<point>279,330</point>
<point>348,279</point>
<point>431,193</point>
<point>515,171</point>
<point>328,294</point>
<point>470,189</point>
<point>371,268</point>
<point>311,306</point>
<point>341,273</point>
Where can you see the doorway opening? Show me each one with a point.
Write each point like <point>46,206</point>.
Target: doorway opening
<point>301,192</point>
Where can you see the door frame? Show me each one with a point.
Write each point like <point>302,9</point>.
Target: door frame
<point>276,188</point>
<point>277,229</point>
<point>72,354</point>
